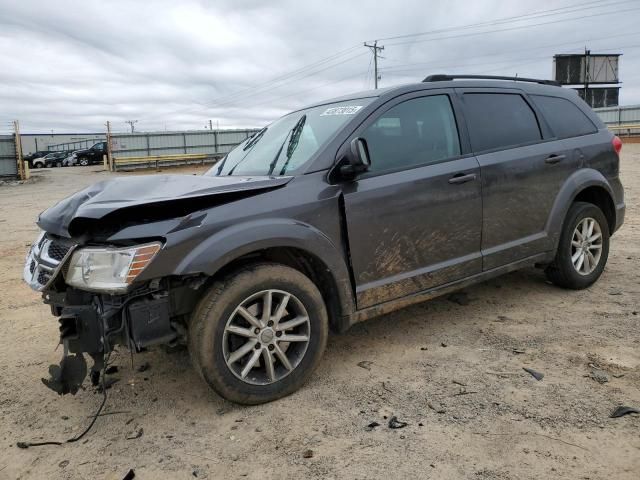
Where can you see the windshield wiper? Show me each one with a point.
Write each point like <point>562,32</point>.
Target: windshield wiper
<point>294,137</point>
<point>254,139</point>
<point>250,143</point>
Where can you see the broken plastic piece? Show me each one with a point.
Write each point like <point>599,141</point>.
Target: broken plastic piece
<point>68,376</point>
<point>537,375</point>
<point>623,410</point>
<point>395,423</point>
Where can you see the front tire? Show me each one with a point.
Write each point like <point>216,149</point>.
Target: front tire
<point>583,248</point>
<point>258,334</point>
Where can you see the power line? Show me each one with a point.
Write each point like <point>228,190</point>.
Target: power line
<point>527,16</point>
<point>471,34</point>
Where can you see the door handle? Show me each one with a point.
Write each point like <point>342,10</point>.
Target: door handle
<point>462,178</point>
<point>551,159</point>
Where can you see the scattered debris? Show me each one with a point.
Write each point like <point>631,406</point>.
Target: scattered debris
<point>537,375</point>
<point>371,426</point>
<point>464,391</point>
<point>458,382</point>
<point>518,351</point>
<point>307,454</point>
<point>366,364</point>
<point>443,344</point>
<point>111,370</point>
<point>622,411</point>
<point>130,475</point>
<point>502,318</point>
<point>135,435</point>
<point>439,409</point>
<point>615,292</point>
<point>501,374</point>
<point>599,376</point>
<point>384,386</point>
<point>395,423</point>
<point>461,298</point>
<point>423,348</point>
<point>63,463</point>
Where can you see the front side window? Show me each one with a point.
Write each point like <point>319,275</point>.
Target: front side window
<point>416,132</point>
<point>499,120</point>
<point>286,145</point>
<point>565,119</point>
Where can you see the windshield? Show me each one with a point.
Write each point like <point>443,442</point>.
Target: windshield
<point>288,143</point>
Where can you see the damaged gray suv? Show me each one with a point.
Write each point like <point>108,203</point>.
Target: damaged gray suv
<point>331,215</point>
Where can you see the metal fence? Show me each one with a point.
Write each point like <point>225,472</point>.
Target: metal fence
<point>8,156</point>
<point>619,115</point>
<point>213,143</point>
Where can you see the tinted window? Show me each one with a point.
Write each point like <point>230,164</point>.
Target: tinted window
<point>499,120</point>
<point>416,132</point>
<point>564,118</point>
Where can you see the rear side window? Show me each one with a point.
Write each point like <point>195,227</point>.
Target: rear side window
<point>564,118</point>
<point>500,120</point>
<point>420,131</point>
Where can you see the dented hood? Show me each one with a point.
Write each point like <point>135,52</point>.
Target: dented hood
<point>109,196</point>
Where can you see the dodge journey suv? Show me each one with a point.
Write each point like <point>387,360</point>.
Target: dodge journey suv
<point>331,215</point>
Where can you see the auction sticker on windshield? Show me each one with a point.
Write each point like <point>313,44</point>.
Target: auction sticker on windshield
<point>344,110</point>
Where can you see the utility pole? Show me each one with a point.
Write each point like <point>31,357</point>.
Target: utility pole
<point>109,158</point>
<point>375,49</point>
<point>210,125</point>
<point>587,53</point>
<point>132,123</point>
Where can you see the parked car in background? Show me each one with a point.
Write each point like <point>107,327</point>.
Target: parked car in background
<point>32,156</point>
<point>70,160</point>
<point>92,155</point>
<point>48,160</point>
<point>333,214</point>
<point>54,159</point>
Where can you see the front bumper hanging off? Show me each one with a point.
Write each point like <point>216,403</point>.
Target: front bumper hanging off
<point>95,323</point>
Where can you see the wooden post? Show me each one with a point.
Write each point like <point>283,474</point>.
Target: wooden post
<point>109,156</point>
<point>23,172</point>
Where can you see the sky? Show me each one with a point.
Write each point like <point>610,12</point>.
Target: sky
<point>69,66</point>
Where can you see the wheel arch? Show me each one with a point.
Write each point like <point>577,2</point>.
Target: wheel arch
<point>586,185</point>
<point>287,242</point>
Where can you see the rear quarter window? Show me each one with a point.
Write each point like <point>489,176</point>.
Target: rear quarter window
<point>564,117</point>
<point>499,121</point>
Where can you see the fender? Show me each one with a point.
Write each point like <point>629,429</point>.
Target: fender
<point>577,182</point>
<point>233,242</point>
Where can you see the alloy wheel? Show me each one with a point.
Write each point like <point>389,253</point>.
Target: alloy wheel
<point>586,246</point>
<point>266,337</point>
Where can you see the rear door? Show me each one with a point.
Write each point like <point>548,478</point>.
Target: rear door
<point>523,166</point>
<point>414,220</point>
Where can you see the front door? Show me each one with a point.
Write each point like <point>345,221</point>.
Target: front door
<point>414,219</point>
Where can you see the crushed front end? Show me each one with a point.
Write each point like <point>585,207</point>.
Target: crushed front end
<point>92,291</point>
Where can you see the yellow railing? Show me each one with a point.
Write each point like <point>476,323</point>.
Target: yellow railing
<point>154,159</point>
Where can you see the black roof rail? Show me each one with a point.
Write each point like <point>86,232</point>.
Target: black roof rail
<point>443,77</point>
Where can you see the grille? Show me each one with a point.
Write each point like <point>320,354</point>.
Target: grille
<point>57,251</point>
<point>46,259</point>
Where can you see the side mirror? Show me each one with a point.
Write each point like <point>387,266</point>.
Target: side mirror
<point>358,159</point>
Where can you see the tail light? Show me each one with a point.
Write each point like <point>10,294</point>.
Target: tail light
<point>617,144</point>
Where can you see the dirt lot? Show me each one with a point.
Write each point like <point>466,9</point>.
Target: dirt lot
<point>452,372</point>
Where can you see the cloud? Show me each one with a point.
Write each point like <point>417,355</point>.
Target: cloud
<point>71,66</point>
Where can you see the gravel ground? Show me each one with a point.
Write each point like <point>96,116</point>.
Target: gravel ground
<point>454,373</point>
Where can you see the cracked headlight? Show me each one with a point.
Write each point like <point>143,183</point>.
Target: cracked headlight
<point>109,269</point>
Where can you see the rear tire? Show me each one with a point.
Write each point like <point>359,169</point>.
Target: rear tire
<point>261,374</point>
<point>84,162</point>
<point>580,258</point>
